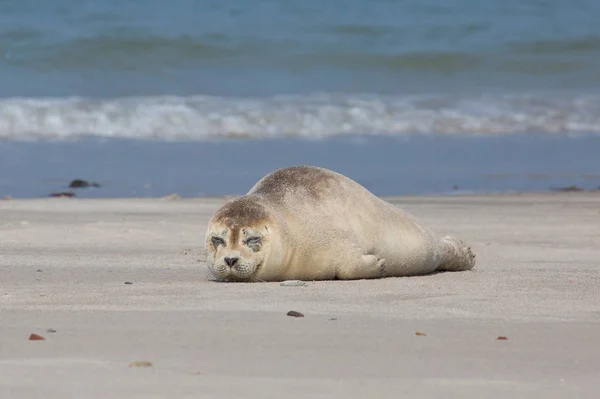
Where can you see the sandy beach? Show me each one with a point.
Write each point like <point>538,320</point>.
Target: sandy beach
<point>64,265</point>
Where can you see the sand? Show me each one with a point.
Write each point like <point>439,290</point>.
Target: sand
<point>64,264</point>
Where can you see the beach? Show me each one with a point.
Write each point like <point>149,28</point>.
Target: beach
<point>111,282</point>
<point>125,125</point>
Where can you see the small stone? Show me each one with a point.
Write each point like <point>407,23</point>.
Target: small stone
<point>293,283</point>
<point>128,282</point>
<point>79,183</point>
<point>293,313</point>
<point>568,189</point>
<point>501,338</point>
<point>141,364</point>
<point>35,337</point>
<point>64,194</point>
<point>420,334</point>
<point>51,330</point>
<point>333,318</point>
<point>39,270</point>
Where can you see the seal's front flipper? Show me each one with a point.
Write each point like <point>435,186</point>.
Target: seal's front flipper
<point>367,266</point>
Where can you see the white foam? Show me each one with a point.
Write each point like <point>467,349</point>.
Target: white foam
<point>314,116</point>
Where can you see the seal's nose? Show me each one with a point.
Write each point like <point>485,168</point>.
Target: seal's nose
<point>231,261</point>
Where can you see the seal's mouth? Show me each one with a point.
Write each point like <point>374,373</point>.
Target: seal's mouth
<point>232,278</point>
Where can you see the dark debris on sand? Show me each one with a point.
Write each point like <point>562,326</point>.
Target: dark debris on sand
<point>293,313</point>
<point>80,183</point>
<point>63,194</point>
<point>568,189</point>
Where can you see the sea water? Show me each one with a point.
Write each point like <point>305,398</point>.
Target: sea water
<point>204,97</point>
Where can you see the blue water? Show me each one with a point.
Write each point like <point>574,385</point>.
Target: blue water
<point>419,165</point>
<point>146,75</point>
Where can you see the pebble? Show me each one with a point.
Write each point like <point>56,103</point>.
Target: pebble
<point>501,338</point>
<point>141,364</point>
<point>419,333</point>
<point>293,313</point>
<point>51,330</point>
<point>293,283</point>
<point>35,337</point>
<point>128,282</point>
<point>172,197</point>
<point>79,183</point>
<point>63,194</point>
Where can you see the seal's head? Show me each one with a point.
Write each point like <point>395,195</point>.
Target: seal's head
<point>238,240</point>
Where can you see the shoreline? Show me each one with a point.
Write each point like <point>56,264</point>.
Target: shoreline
<point>569,191</point>
<point>387,166</point>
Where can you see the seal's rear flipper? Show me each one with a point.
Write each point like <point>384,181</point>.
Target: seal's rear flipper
<point>457,256</point>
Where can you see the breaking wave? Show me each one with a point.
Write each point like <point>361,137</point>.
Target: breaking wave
<point>311,116</point>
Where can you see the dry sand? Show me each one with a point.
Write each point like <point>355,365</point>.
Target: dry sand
<point>64,264</point>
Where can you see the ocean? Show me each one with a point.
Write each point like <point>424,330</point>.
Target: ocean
<point>430,97</point>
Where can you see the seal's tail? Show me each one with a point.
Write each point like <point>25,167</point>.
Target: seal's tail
<point>457,256</point>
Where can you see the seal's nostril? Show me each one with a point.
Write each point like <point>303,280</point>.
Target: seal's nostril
<point>231,261</point>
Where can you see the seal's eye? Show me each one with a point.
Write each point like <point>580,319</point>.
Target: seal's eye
<point>216,241</point>
<point>253,241</point>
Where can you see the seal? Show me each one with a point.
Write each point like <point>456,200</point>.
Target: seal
<point>310,223</point>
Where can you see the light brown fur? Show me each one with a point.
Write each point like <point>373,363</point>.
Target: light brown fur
<point>315,224</point>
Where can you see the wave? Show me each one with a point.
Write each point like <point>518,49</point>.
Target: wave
<point>159,53</point>
<point>126,52</point>
<point>310,116</point>
<point>442,62</point>
<point>351,48</point>
<point>589,44</point>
